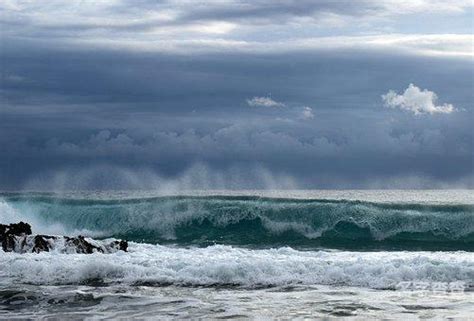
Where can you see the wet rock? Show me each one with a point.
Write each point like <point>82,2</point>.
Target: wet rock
<point>81,245</point>
<point>10,233</point>
<point>118,245</point>
<point>123,245</point>
<point>18,228</point>
<point>41,244</point>
<point>17,238</point>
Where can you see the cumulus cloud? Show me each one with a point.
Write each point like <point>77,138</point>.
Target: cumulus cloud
<point>307,113</point>
<point>264,102</point>
<point>416,101</point>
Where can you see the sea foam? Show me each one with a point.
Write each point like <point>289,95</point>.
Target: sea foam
<point>226,265</point>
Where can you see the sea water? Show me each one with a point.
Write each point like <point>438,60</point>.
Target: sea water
<point>222,254</point>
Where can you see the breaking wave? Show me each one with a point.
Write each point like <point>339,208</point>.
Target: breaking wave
<point>251,221</point>
<point>222,265</point>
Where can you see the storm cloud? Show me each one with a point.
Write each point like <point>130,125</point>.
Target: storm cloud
<point>226,90</point>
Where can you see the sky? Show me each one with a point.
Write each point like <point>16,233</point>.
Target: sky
<point>236,94</point>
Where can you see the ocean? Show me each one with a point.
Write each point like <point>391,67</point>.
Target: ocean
<point>246,254</point>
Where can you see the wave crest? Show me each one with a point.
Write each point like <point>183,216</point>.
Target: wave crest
<point>256,221</point>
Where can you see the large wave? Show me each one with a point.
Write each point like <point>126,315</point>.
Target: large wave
<point>251,221</point>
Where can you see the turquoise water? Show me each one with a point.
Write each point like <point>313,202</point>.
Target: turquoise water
<point>258,221</point>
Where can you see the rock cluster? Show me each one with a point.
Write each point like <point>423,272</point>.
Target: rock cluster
<point>18,237</point>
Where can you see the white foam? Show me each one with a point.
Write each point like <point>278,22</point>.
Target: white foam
<point>228,265</point>
<point>11,214</point>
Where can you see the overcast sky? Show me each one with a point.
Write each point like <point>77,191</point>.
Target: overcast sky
<point>236,94</point>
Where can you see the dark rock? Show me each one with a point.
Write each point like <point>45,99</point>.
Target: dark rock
<point>82,246</point>
<point>20,228</point>
<point>41,244</point>
<point>119,245</point>
<point>9,234</point>
<point>8,243</point>
<point>123,245</point>
<point>17,238</point>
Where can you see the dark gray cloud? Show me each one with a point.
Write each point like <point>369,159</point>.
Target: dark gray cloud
<point>73,110</point>
<point>272,11</point>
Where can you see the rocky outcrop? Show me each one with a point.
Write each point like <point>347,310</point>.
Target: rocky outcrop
<point>9,233</point>
<point>18,238</point>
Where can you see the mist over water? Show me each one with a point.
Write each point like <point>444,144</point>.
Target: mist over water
<point>196,177</point>
<point>201,177</point>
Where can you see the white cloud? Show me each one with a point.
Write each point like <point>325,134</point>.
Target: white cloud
<point>435,45</point>
<point>264,102</point>
<point>307,113</point>
<point>416,101</point>
<point>215,26</point>
<point>399,7</point>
